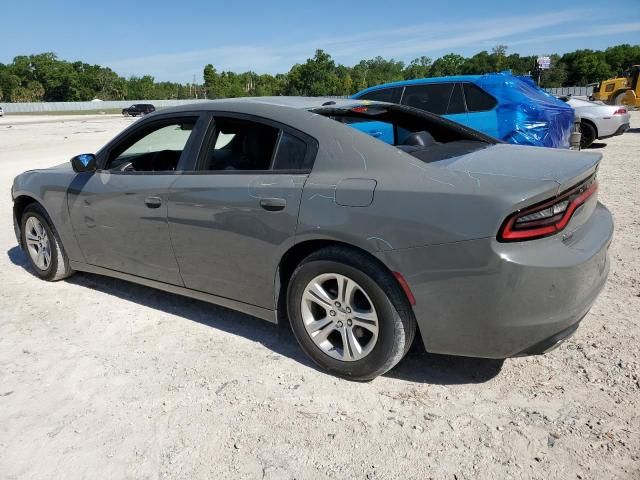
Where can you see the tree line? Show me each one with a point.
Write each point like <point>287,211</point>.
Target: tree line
<point>45,77</point>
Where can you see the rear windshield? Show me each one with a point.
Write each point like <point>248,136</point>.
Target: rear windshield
<point>423,135</point>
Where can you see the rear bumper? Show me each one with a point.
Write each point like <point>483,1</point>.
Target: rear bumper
<point>487,299</point>
<point>616,125</point>
<point>621,129</point>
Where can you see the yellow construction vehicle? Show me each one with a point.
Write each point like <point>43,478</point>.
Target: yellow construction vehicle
<point>620,90</point>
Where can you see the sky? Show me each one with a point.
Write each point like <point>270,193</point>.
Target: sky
<point>173,40</point>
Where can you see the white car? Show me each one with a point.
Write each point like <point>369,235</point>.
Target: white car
<point>599,121</point>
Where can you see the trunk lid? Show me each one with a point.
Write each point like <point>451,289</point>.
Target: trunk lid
<point>564,167</point>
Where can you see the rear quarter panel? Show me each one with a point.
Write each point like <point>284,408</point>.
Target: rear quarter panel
<point>413,204</point>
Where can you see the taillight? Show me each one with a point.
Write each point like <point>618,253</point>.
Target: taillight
<point>548,218</point>
<point>620,111</point>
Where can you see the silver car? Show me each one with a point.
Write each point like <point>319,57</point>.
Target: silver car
<point>599,121</point>
<point>279,208</point>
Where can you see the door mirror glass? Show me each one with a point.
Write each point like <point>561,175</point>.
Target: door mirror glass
<point>85,162</point>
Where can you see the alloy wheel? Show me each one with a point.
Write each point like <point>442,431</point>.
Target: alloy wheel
<point>38,243</point>
<point>339,317</point>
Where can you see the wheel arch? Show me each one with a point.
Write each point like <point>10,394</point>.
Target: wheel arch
<point>298,252</point>
<point>591,124</point>
<point>20,203</point>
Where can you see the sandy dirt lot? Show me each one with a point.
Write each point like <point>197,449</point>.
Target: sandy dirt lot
<point>100,378</point>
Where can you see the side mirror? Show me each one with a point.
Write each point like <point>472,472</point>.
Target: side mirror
<point>84,163</point>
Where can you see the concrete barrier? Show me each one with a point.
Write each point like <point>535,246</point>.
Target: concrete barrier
<point>57,107</point>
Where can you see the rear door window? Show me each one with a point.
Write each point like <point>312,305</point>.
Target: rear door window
<point>240,144</point>
<point>291,154</point>
<point>477,99</point>
<point>456,101</point>
<point>391,95</point>
<point>432,97</point>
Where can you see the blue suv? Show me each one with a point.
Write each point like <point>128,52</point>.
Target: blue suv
<point>504,106</point>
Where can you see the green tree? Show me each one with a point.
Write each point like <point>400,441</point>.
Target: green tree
<point>449,64</point>
<point>621,57</point>
<point>315,77</point>
<point>32,92</point>
<point>44,76</point>
<point>417,68</point>
<point>140,88</point>
<point>479,64</point>
<point>499,55</point>
<point>586,66</point>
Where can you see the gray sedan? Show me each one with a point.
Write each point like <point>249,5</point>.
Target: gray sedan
<point>279,208</point>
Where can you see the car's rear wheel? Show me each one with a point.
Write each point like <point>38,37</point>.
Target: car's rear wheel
<point>43,247</point>
<point>588,134</point>
<point>348,314</point>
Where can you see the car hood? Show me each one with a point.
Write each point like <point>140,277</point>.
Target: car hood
<point>62,167</point>
<point>565,167</point>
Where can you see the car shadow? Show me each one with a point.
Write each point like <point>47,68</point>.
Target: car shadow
<point>633,130</point>
<point>417,366</point>
<point>596,145</point>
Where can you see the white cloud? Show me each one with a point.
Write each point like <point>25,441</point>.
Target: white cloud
<point>403,43</point>
<point>591,31</point>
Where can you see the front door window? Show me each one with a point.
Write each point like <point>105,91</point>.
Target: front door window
<point>157,149</point>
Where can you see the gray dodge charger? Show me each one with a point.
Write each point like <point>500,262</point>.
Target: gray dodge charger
<point>280,208</point>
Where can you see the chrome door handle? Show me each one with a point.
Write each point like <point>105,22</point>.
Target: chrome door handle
<point>153,202</point>
<point>273,204</point>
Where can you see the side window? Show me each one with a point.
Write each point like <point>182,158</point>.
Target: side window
<point>609,88</point>
<point>241,145</point>
<point>456,102</point>
<point>432,97</point>
<point>157,148</point>
<point>291,154</point>
<point>477,99</point>
<point>391,95</point>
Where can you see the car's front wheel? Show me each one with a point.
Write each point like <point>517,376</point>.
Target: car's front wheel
<point>43,246</point>
<point>349,314</point>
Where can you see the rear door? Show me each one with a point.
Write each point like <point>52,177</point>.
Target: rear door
<point>445,98</point>
<point>233,217</point>
<point>482,111</point>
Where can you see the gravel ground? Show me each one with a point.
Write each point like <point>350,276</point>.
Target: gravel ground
<point>100,378</point>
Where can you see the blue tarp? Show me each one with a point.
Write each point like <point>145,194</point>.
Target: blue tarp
<point>528,115</point>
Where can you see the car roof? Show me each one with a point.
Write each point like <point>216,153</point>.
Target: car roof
<point>423,81</point>
<point>297,103</point>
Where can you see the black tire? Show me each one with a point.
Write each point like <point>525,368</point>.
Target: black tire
<point>617,100</point>
<point>589,134</point>
<point>58,267</point>
<point>397,325</point>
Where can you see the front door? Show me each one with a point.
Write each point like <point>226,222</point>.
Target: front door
<point>119,213</point>
<point>234,217</point>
